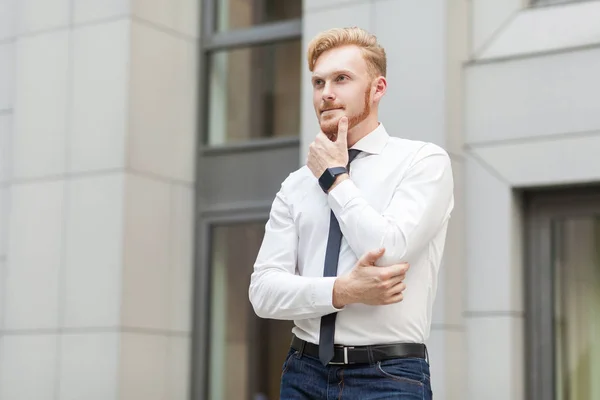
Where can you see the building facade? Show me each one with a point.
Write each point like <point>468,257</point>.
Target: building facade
<point>142,142</point>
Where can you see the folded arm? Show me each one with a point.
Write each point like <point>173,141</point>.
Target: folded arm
<point>275,290</point>
<point>420,205</point>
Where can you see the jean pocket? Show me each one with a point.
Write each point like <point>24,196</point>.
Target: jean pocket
<point>400,373</point>
<point>288,360</point>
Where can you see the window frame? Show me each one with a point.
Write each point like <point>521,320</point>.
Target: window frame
<point>553,3</point>
<point>202,298</point>
<point>212,41</point>
<point>542,208</point>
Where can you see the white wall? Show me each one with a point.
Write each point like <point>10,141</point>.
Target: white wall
<point>97,138</point>
<point>531,120</point>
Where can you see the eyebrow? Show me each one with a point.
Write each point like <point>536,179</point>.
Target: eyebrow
<point>337,72</point>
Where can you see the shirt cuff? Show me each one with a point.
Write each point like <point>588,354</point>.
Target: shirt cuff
<point>323,294</point>
<point>341,195</point>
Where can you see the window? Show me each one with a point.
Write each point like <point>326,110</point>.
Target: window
<point>576,273</point>
<point>245,352</point>
<point>252,70</point>
<point>254,92</point>
<point>236,14</point>
<point>563,297</point>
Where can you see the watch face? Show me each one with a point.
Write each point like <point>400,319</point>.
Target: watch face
<point>328,178</point>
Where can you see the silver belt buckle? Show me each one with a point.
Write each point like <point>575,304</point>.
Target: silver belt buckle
<point>345,362</point>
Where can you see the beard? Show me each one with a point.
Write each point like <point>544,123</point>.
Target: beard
<point>330,127</point>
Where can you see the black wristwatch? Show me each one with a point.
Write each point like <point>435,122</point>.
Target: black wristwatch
<point>328,177</point>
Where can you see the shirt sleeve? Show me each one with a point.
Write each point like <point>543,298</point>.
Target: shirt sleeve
<point>276,291</point>
<point>420,205</point>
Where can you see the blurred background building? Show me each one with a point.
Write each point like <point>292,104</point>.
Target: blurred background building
<point>142,142</point>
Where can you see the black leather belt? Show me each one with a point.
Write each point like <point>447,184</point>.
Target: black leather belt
<point>343,355</point>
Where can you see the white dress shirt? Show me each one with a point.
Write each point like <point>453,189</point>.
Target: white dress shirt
<point>399,196</point>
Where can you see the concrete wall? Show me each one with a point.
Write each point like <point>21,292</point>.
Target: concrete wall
<point>97,131</point>
<point>532,97</point>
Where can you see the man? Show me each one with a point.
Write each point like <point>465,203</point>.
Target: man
<point>342,233</point>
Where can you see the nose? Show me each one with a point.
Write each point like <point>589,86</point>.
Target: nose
<point>327,94</point>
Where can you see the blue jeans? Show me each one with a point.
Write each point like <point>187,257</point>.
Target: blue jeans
<point>304,377</point>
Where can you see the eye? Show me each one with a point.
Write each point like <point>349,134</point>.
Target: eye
<point>342,78</point>
<point>317,82</point>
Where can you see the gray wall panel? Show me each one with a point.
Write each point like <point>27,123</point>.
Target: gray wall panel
<point>238,179</point>
<point>537,96</point>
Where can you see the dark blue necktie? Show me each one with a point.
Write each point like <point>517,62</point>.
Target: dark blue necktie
<point>332,254</point>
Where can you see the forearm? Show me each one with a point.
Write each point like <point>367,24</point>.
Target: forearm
<point>277,294</point>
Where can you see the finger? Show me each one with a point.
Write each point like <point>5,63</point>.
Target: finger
<point>394,282</point>
<point>322,144</point>
<point>369,258</point>
<point>319,138</point>
<point>397,298</point>
<point>398,288</point>
<point>399,269</point>
<point>342,134</point>
<point>323,141</point>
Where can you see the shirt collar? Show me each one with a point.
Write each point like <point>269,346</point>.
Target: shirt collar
<point>373,142</point>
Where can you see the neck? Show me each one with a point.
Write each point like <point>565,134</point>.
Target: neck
<point>362,129</point>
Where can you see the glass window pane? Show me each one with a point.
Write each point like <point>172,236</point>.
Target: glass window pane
<point>246,352</point>
<point>577,308</point>
<point>255,93</point>
<point>236,14</point>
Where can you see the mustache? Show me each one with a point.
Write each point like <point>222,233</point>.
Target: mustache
<point>330,106</point>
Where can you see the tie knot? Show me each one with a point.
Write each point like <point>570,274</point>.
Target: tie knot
<point>352,153</point>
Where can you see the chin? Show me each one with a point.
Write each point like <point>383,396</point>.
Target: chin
<point>329,127</point>
<point>329,124</point>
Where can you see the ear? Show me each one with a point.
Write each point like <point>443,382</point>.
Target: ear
<point>380,85</point>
